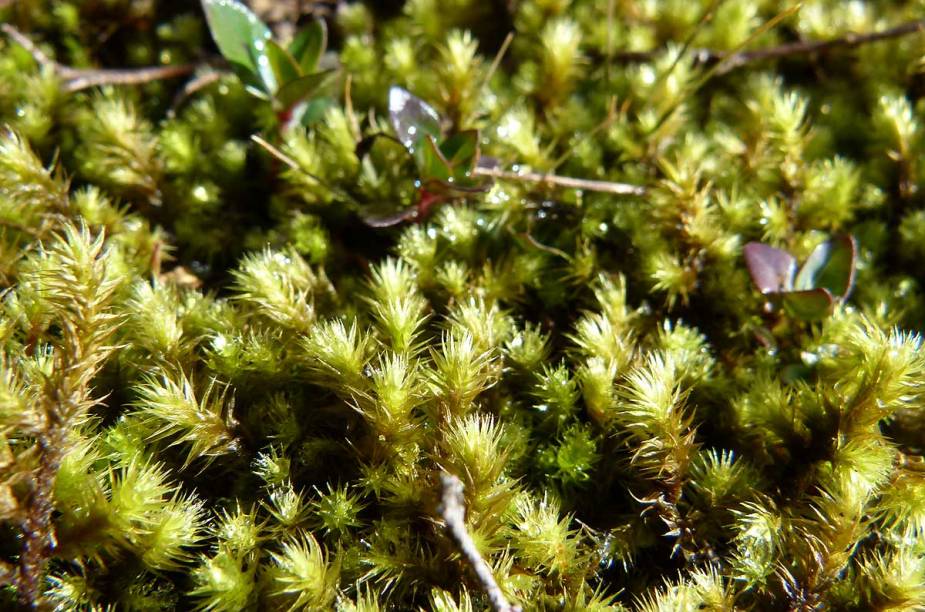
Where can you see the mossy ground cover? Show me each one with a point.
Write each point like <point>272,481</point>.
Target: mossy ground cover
<point>644,276</point>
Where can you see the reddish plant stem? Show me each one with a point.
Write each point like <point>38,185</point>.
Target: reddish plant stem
<point>38,539</point>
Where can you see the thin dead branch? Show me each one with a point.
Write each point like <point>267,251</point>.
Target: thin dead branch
<point>453,511</point>
<point>77,79</point>
<point>193,86</point>
<point>564,181</point>
<point>848,41</point>
<point>278,154</point>
<point>808,47</point>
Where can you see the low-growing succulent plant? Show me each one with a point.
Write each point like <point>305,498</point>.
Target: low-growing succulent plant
<point>826,278</point>
<point>286,76</point>
<point>444,164</point>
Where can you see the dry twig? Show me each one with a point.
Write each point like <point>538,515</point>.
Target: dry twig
<point>193,86</point>
<point>737,60</point>
<point>453,510</point>
<point>563,181</point>
<point>77,79</point>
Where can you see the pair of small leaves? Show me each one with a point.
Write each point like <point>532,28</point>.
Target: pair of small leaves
<point>286,76</point>
<point>445,165</point>
<point>826,277</point>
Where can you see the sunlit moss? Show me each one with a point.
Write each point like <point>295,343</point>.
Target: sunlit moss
<point>233,370</point>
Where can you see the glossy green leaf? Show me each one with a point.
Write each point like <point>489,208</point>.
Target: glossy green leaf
<point>412,119</point>
<point>309,44</point>
<point>461,149</point>
<point>284,67</point>
<point>808,305</point>
<point>431,163</point>
<point>238,33</point>
<point>301,88</point>
<point>253,82</point>
<point>830,266</point>
<point>266,77</point>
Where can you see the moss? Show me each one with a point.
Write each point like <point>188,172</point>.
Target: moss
<point>233,370</point>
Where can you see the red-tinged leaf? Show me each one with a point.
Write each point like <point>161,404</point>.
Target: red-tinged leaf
<point>808,305</point>
<point>830,266</point>
<point>771,269</point>
<point>412,119</point>
<point>426,201</point>
<point>391,220</point>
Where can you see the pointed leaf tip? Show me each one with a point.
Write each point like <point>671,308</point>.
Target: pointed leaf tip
<point>284,67</point>
<point>309,44</point>
<point>236,31</point>
<point>771,269</point>
<point>412,119</point>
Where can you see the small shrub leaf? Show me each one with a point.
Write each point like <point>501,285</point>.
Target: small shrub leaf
<point>238,33</point>
<point>461,150</point>
<point>432,165</point>
<point>285,68</point>
<point>412,119</point>
<point>808,305</point>
<point>830,266</point>
<point>301,88</point>
<point>771,269</point>
<point>309,44</point>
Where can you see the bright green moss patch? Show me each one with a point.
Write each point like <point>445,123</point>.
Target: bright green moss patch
<point>644,276</point>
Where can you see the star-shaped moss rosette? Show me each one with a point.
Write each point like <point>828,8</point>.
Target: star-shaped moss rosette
<point>825,279</point>
<point>288,77</point>
<point>445,163</point>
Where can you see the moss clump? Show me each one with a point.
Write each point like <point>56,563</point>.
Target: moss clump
<point>234,370</point>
